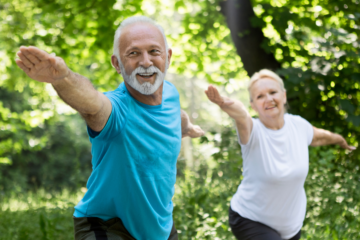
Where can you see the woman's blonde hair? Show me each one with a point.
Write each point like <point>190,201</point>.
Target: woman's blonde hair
<point>265,73</point>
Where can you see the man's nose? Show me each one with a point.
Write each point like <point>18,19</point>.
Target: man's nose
<point>146,60</point>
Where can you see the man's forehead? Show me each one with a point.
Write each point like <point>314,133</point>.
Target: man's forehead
<point>139,32</point>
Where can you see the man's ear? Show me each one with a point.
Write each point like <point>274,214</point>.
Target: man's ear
<point>169,56</point>
<point>115,63</point>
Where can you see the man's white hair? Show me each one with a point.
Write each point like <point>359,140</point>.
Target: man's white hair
<point>132,20</point>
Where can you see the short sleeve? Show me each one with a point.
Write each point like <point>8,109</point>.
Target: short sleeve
<point>309,132</point>
<point>305,128</point>
<point>117,118</point>
<point>252,139</point>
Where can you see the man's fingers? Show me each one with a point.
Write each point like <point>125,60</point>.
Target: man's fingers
<point>25,60</point>
<point>32,58</point>
<point>351,148</point>
<point>200,132</point>
<point>195,132</point>
<point>22,66</point>
<point>40,54</point>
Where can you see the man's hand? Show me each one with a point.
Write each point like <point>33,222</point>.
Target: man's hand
<point>76,90</point>
<point>193,131</point>
<point>41,66</point>
<point>188,129</point>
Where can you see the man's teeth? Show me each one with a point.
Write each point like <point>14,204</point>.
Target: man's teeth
<point>146,74</point>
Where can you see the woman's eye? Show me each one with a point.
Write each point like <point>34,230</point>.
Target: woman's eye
<point>260,96</point>
<point>273,92</point>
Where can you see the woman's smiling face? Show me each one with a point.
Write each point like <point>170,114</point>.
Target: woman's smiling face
<point>268,98</point>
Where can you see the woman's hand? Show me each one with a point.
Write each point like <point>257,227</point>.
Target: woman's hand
<point>344,144</point>
<point>213,94</point>
<point>235,109</point>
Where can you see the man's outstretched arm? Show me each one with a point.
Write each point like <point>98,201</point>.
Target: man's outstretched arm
<point>188,129</point>
<point>74,89</point>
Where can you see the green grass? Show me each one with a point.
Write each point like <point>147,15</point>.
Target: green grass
<point>200,212</point>
<point>39,215</point>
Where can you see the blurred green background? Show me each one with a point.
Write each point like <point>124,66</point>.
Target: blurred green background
<point>45,156</point>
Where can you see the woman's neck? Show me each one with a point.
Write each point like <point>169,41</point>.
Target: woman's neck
<point>275,123</point>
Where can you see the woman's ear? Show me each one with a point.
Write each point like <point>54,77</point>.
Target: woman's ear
<point>253,106</point>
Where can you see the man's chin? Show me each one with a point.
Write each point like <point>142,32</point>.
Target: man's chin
<point>145,88</point>
<point>141,80</point>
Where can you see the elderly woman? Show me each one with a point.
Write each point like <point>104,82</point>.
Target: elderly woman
<point>270,202</point>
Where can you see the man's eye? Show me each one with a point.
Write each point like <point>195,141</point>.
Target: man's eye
<point>133,53</point>
<point>155,51</point>
<point>260,96</point>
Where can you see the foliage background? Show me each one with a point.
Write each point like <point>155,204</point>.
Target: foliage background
<point>44,150</point>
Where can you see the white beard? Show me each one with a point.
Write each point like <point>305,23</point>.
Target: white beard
<point>145,88</point>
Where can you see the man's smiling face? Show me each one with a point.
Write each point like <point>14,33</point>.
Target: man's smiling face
<point>143,57</point>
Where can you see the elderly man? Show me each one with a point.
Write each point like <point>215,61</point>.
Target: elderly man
<point>135,132</point>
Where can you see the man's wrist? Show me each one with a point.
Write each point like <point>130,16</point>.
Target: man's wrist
<point>64,80</point>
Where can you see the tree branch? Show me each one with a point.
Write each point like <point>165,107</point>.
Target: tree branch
<point>247,39</point>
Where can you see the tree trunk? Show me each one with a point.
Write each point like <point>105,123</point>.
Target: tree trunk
<point>247,39</point>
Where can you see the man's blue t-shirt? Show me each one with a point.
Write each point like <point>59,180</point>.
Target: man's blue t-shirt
<point>134,164</point>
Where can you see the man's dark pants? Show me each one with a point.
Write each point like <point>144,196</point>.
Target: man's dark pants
<point>92,228</point>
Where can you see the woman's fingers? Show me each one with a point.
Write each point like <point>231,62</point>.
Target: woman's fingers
<point>351,148</point>
<point>214,92</point>
<point>213,95</point>
<point>228,102</point>
<point>345,145</point>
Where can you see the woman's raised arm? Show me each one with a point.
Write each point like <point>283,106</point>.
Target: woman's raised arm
<point>235,109</point>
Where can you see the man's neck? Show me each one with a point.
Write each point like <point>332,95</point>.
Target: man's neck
<point>153,99</point>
